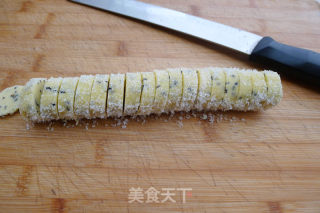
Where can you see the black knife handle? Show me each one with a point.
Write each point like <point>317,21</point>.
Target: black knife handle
<point>305,62</point>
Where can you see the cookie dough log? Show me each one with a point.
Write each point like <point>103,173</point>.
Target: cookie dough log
<point>205,86</point>
<point>49,99</point>
<point>66,98</point>
<point>29,106</point>
<point>82,97</point>
<point>98,99</point>
<point>274,94</point>
<point>259,91</point>
<point>245,90</point>
<point>175,90</point>
<point>190,89</point>
<point>9,100</point>
<point>115,95</point>
<point>162,91</point>
<point>232,89</point>
<point>132,93</point>
<point>147,93</point>
<point>218,77</point>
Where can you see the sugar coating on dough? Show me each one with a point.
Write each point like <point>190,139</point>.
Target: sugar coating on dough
<point>132,93</point>
<point>147,94</point>
<point>66,98</point>
<point>175,90</point>
<point>162,91</point>
<point>259,91</point>
<point>274,94</point>
<point>232,88</point>
<point>98,99</point>
<point>245,90</point>
<point>218,77</point>
<point>190,89</point>
<point>115,95</point>
<point>204,90</point>
<point>82,97</point>
<point>49,99</point>
<point>9,100</point>
<point>29,106</point>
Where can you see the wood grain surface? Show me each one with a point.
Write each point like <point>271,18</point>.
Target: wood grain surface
<point>248,162</point>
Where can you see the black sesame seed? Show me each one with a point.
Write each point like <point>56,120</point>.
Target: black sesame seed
<point>48,88</point>
<point>110,88</point>
<point>99,82</point>
<point>53,104</point>
<point>3,98</point>
<point>233,76</point>
<point>233,87</point>
<point>225,91</point>
<point>62,91</point>
<point>15,87</point>
<point>236,83</point>
<point>175,82</point>
<point>189,89</point>
<point>144,79</point>
<point>68,108</point>
<point>158,86</point>
<point>211,78</point>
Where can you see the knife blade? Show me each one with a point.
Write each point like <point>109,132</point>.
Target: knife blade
<point>259,48</point>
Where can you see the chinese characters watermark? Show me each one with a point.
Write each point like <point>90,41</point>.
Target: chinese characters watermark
<point>152,195</point>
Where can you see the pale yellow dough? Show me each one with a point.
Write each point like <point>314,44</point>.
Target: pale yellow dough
<point>98,99</point>
<point>29,106</point>
<point>205,86</point>
<point>148,93</point>
<point>232,88</point>
<point>274,85</point>
<point>10,99</point>
<point>115,95</point>
<point>175,90</point>
<point>66,97</point>
<point>245,90</point>
<point>259,91</point>
<point>190,89</point>
<point>82,97</point>
<point>218,77</point>
<point>162,91</point>
<point>132,94</point>
<point>49,99</point>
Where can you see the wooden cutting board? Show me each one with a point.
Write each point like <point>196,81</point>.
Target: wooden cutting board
<point>247,162</point>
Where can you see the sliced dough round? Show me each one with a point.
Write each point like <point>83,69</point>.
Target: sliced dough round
<point>9,100</point>
<point>205,86</point>
<point>232,88</point>
<point>29,106</point>
<point>115,95</point>
<point>132,94</point>
<point>259,91</point>
<point>148,93</point>
<point>66,98</point>
<point>162,91</point>
<point>98,99</point>
<point>175,90</point>
<point>274,94</point>
<point>82,97</point>
<point>190,89</point>
<point>49,99</point>
<point>218,77</point>
<point>245,90</point>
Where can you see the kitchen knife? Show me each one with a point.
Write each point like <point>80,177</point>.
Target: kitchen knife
<point>265,49</point>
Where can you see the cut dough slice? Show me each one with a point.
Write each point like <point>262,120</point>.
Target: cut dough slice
<point>162,91</point>
<point>82,97</point>
<point>49,99</point>
<point>218,77</point>
<point>132,94</point>
<point>232,88</point>
<point>205,86</point>
<point>66,98</point>
<point>147,94</point>
<point>175,90</point>
<point>98,99</point>
<point>190,89</point>
<point>274,94</point>
<point>245,90</point>
<point>115,95</point>
<point>29,106</point>
<point>10,99</point>
<point>259,91</point>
